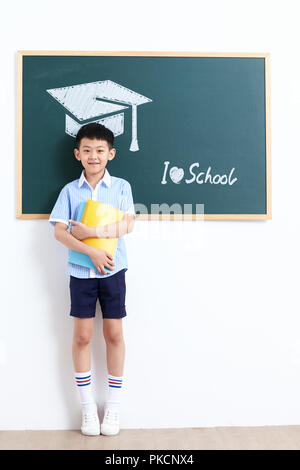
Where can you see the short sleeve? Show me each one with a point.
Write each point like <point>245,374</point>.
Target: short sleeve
<point>61,211</point>
<point>127,204</point>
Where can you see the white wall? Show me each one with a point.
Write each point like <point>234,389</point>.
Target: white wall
<point>217,340</point>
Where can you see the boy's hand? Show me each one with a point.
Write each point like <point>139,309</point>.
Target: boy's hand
<point>80,231</point>
<point>102,258</point>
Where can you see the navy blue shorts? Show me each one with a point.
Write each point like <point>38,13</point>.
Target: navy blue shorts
<point>109,290</point>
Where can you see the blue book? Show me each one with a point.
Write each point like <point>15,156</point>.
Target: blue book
<point>77,257</point>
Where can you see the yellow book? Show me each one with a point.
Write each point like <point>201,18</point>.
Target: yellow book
<point>97,213</point>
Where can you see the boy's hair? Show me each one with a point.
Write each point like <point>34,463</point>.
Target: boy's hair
<point>94,130</point>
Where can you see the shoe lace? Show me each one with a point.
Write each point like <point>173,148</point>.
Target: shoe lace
<point>89,417</point>
<point>111,415</point>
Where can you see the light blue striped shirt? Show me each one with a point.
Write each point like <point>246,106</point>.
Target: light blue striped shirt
<point>109,190</point>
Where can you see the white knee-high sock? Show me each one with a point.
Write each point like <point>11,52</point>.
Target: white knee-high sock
<point>114,392</point>
<point>83,381</point>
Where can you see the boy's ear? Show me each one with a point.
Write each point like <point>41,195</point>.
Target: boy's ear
<point>112,153</point>
<point>76,153</point>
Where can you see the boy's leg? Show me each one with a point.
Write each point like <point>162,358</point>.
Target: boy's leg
<point>81,348</point>
<point>83,333</point>
<point>115,345</point>
<point>115,356</point>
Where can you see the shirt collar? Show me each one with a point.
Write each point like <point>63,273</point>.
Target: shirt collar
<point>105,179</point>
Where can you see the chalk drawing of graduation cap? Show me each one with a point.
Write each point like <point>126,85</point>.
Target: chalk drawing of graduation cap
<point>91,101</point>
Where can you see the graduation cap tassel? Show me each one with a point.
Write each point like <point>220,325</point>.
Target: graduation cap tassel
<point>134,146</point>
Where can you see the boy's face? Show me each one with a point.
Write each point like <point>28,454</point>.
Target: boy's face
<point>94,155</point>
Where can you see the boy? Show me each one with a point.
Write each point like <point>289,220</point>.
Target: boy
<point>94,148</point>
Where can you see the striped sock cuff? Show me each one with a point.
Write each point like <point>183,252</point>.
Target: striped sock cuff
<point>115,382</point>
<point>83,378</point>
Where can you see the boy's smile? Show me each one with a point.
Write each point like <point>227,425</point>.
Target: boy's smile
<point>94,155</point>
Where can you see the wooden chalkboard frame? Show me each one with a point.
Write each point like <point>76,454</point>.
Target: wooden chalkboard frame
<point>266,56</point>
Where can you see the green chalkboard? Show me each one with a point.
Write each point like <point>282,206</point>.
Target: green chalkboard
<point>190,129</point>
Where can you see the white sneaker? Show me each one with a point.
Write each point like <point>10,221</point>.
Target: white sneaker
<point>111,422</point>
<point>90,425</point>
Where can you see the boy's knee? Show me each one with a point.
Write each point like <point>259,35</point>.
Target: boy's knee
<point>113,336</point>
<point>83,338</point>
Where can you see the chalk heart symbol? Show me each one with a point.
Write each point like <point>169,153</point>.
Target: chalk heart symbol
<point>176,174</point>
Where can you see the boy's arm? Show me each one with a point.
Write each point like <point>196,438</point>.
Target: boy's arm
<point>114,230</point>
<point>62,235</point>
